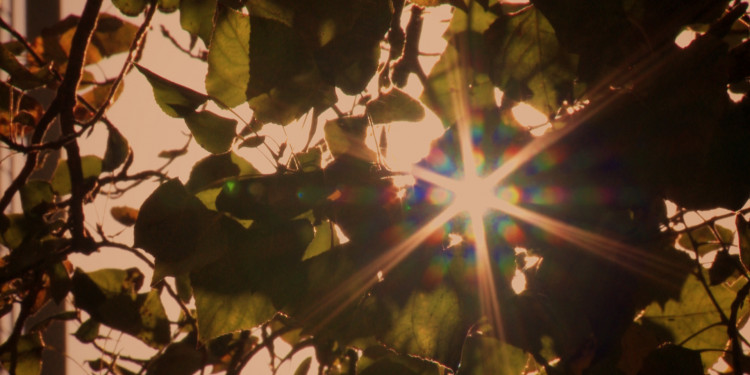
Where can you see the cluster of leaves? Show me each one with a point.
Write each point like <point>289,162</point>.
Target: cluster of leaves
<point>251,258</point>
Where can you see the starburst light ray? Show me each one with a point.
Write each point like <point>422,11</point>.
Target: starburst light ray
<point>630,257</point>
<point>356,285</point>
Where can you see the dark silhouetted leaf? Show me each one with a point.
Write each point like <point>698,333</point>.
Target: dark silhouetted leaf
<point>395,105</point>
<point>130,7</point>
<point>253,141</point>
<point>229,59</point>
<point>110,297</point>
<point>179,358</point>
<point>124,215</point>
<point>303,367</point>
<point>92,167</point>
<point>213,132</point>
<point>117,150</point>
<point>88,331</point>
<point>171,154</point>
<point>174,99</point>
<point>743,232</point>
<point>179,231</point>
<point>168,6</point>
<point>215,168</point>
<point>671,359</point>
<point>723,267</point>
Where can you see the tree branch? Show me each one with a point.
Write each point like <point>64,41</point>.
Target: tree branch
<point>67,96</point>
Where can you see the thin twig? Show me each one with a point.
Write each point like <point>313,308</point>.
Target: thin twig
<point>135,50</point>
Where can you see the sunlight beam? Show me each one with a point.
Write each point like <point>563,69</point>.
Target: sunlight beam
<point>630,257</point>
<point>356,285</point>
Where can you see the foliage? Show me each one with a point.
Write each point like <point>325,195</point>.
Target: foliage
<point>613,284</point>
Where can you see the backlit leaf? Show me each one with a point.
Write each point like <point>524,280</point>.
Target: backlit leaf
<point>213,132</point>
<point>110,297</point>
<point>692,315</point>
<point>92,167</point>
<point>705,238</point>
<point>196,17</point>
<point>394,105</point>
<point>229,59</point>
<point>174,99</point>
<point>428,326</point>
<point>528,63</point>
<point>35,193</point>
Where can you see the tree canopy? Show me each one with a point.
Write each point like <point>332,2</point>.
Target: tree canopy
<point>516,249</point>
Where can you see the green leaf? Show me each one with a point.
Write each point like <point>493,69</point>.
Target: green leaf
<point>92,167</point>
<point>117,150</point>
<point>692,315</point>
<point>527,61</point>
<point>451,77</point>
<point>394,105</point>
<point>179,231</point>
<point>174,99</point>
<point>290,100</point>
<point>705,238</point>
<point>325,239</point>
<point>130,7</point>
<point>743,232</point>
<point>428,326</point>
<point>14,230</point>
<point>124,215</point>
<point>225,302</point>
<point>207,172</point>
<point>196,17</point>
<point>243,288</point>
<point>213,132</point>
<point>88,331</point>
<point>29,360</point>
<point>109,296</point>
<point>253,141</point>
<point>487,355</point>
<point>229,59</point>
<point>303,367</point>
<point>34,194</point>
<point>346,136</point>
